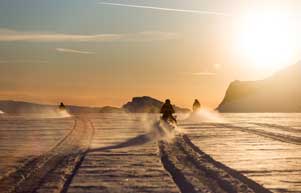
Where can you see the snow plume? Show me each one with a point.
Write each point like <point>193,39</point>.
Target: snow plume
<point>50,113</point>
<point>152,130</point>
<point>159,130</point>
<point>205,115</point>
<point>55,114</point>
<point>63,114</point>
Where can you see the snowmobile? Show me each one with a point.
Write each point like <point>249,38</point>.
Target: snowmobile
<point>169,123</point>
<point>170,120</point>
<point>62,107</point>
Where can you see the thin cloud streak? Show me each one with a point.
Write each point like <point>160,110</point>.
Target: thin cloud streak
<point>7,35</point>
<point>166,9</point>
<point>66,50</point>
<point>22,61</point>
<point>204,74</point>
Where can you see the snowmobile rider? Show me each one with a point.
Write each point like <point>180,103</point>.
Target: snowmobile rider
<point>196,105</point>
<point>62,106</point>
<point>167,111</point>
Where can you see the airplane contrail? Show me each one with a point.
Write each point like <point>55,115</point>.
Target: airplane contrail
<point>166,9</point>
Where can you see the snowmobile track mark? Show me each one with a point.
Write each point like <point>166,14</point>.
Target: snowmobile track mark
<point>79,163</point>
<point>67,153</point>
<point>280,127</point>
<point>274,136</point>
<point>194,171</point>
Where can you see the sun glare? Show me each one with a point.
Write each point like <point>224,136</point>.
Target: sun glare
<point>268,40</point>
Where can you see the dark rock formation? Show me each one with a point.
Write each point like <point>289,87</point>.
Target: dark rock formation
<point>109,109</point>
<point>278,93</point>
<point>147,104</point>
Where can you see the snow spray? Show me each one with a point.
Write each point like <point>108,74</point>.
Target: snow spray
<point>205,115</point>
<point>51,114</point>
<point>158,129</point>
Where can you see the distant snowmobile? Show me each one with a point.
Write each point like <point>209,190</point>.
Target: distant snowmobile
<point>196,105</point>
<point>62,106</point>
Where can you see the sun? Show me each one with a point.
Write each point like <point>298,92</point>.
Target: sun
<point>268,40</point>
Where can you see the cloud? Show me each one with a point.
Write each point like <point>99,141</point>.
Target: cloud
<point>148,36</point>
<point>22,61</point>
<point>7,35</point>
<point>217,66</point>
<point>73,51</point>
<point>166,9</point>
<point>204,74</point>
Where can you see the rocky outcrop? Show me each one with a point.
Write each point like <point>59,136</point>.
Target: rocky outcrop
<point>148,104</point>
<point>137,105</point>
<point>278,93</point>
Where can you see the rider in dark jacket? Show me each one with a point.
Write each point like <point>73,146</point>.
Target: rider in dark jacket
<point>196,105</point>
<point>167,110</point>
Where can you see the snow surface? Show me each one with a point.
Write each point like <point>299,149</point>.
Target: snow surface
<point>22,139</point>
<point>127,153</point>
<point>123,158</point>
<point>264,147</point>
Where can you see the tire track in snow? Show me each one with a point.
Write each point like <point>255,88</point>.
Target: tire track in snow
<point>123,159</point>
<point>194,171</point>
<point>78,164</point>
<point>51,171</point>
<point>280,127</point>
<point>275,136</point>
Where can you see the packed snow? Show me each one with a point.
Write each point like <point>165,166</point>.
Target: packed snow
<point>264,147</point>
<point>137,153</point>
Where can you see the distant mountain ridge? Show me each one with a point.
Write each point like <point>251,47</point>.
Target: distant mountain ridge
<point>137,105</point>
<point>9,106</point>
<point>278,93</point>
<point>146,104</point>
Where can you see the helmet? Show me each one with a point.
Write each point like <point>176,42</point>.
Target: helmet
<point>167,101</point>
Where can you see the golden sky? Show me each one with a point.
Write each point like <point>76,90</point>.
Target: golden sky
<point>99,53</point>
